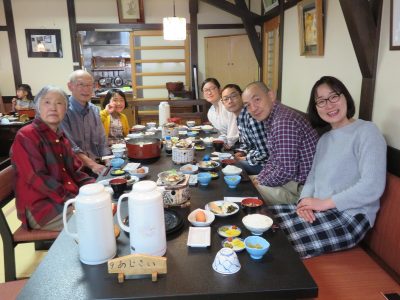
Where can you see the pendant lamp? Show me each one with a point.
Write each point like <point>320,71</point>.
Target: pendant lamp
<point>174,28</point>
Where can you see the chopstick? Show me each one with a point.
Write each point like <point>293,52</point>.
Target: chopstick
<point>107,171</point>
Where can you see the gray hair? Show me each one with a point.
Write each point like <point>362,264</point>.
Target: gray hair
<point>260,84</point>
<point>44,91</point>
<point>78,73</point>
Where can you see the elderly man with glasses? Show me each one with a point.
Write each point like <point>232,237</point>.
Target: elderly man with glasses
<point>83,125</point>
<point>291,143</point>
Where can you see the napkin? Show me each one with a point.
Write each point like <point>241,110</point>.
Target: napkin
<point>131,166</point>
<point>237,199</point>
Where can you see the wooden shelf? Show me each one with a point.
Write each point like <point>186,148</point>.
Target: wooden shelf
<point>109,69</point>
<point>138,47</point>
<point>158,47</point>
<point>167,60</point>
<point>143,87</point>
<point>161,74</point>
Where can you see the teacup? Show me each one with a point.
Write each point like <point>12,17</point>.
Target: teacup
<point>118,185</point>
<point>204,178</point>
<point>117,162</point>
<point>190,123</point>
<point>118,152</point>
<point>226,261</point>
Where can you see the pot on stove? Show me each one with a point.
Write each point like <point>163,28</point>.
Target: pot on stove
<point>144,148</point>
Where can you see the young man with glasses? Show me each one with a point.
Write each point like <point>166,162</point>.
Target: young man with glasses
<point>82,123</point>
<point>251,132</point>
<point>291,143</point>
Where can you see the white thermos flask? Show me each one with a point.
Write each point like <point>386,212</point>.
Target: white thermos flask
<point>164,113</point>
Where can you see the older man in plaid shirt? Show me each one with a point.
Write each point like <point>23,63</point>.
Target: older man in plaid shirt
<point>291,143</point>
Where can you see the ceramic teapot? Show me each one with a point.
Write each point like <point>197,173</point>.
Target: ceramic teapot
<point>94,224</point>
<point>146,219</point>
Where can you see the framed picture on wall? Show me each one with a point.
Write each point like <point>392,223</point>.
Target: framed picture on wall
<point>43,42</point>
<point>395,25</point>
<point>130,11</point>
<point>270,4</point>
<point>311,31</point>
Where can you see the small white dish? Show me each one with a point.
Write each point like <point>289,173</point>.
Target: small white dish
<point>118,146</point>
<point>138,127</point>
<point>199,237</point>
<point>141,174</point>
<point>224,155</point>
<point>227,231</point>
<point>189,169</point>
<point>224,206</point>
<point>131,166</point>
<point>135,135</point>
<point>210,217</point>
<point>236,243</point>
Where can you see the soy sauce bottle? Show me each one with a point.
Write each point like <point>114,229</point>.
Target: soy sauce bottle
<point>168,145</point>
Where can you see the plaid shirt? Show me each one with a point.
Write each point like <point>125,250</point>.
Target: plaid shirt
<point>83,126</point>
<point>252,138</point>
<point>47,172</point>
<point>291,143</point>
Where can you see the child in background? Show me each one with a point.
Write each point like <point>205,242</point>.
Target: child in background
<point>24,99</point>
<point>114,121</point>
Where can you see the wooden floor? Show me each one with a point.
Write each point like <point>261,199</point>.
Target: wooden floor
<point>27,259</point>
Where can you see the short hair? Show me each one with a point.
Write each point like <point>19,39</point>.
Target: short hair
<point>232,86</point>
<point>78,73</point>
<point>47,89</point>
<point>260,84</point>
<point>212,80</point>
<point>337,86</point>
<point>27,88</point>
<point>111,94</point>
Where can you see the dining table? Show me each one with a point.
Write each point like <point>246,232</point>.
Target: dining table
<point>280,274</point>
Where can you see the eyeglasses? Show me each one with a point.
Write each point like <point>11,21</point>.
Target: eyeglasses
<point>234,96</point>
<point>322,102</point>
<point>82,85</point>
<point>211,89</point>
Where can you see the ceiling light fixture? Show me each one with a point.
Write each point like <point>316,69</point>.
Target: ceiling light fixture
<point>174,28</point>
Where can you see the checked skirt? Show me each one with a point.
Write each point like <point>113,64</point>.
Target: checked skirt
<point>332,230</point>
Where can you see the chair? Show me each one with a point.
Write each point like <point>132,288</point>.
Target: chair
<point>10,290</point>
<point>21,235</point>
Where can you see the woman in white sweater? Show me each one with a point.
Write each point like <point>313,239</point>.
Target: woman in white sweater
<point>340,198</point>
<point>223,120</point>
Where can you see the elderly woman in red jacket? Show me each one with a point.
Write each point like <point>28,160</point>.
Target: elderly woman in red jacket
<point>47,171</point>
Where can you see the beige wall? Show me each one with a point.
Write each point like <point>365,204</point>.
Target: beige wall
<point>2,15</point>
<point>387,93</point>
<point>42,14</point>
<point>339,60</point>
<point>300,73</point>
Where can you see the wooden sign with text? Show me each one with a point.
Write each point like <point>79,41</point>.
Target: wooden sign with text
<point>138,264</point>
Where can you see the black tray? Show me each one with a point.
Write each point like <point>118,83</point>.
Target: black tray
<point>173,221</point>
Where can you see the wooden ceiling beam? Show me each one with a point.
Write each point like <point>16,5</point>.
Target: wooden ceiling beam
<point>363,19</point>
<point>250,28</point>
<point>231,8</point>
<point>363,32</point>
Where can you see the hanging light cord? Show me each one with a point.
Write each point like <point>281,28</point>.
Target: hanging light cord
<point>174,8</point>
